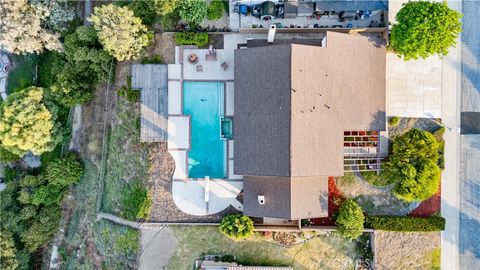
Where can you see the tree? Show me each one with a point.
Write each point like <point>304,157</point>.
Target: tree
<point>121,33</point>
<point>424,28</point>
<point>236,226</point>
<point>192,11</point>
<point>8,260</point>
<point>215,10</point>
<point>42,229</point>
<point>84,64</point>
<point>164,7</point>
<point>55,14</point>
<point>21,29</point>
<point>64,172</point>
<point>350,219</point>
<point>412,164</point>
<point>26,124</point>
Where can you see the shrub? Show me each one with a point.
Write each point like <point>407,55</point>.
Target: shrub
<point>136,202</point>
<point>350,219</point>
<point>424,28</point>
<point>156,59</point>
<point>215,10</point>
<point>236,227</point>
<point>412,164</point>
<point>405,224</point>
<point>127,92</point>
<point>393,121</point>
<point>192,11</point>
<point>191,38</point>
<point>65,171</point>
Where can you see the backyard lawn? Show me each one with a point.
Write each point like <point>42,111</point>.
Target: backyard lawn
<point>322,252</point>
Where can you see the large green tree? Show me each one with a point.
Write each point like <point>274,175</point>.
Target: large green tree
<point>83,65</point>
<point>122,34</point>
<point>350,219</point>
<point>412,164</point>
<point>424,28</point>
<point>26,124</point>
<point>193,11</point>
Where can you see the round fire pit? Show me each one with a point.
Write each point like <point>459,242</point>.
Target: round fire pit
<point>193,58</point>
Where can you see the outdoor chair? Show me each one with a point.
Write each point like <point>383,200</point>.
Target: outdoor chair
<point>224,66</point>
<point>199,68</point>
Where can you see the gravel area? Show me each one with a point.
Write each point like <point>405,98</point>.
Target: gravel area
<point>375,200</point>
<point>397,250</point>
<point>408,123</point>
<point>160,187</point>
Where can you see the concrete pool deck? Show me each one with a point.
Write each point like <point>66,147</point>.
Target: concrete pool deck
<point>195,196</point>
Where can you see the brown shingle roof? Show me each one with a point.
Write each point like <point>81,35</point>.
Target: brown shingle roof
<point>286,197</point>
<point>293,102</point>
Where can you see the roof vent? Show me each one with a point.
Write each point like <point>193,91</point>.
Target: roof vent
<point>261,199</point>
<point>271,33</point>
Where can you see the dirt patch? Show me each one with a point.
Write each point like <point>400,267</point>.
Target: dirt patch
<point>164,46</point>
<point>396,250</point>
<point>160,189</point>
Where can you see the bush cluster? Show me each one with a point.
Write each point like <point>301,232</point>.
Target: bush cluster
<point>236,227</point>
<point>405,224</point>
<point>136,202</point>
<point>191,38</point>
<point>350,219</point>
<point>215,10</point>
<point>412,164</point>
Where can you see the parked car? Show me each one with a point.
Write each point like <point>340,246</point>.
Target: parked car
<point>268,10</point>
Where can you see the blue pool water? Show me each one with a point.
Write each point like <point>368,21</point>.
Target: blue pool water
<point>204,102</point>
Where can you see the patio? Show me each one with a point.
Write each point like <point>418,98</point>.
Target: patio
<point>201,197</point>
<point>217,67</point>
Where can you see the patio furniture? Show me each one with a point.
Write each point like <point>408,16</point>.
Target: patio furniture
<point>211,57</point>
<point>224,65</point>
<point>199,68</point>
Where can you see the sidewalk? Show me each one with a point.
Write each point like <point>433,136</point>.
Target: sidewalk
<point>451,89</point>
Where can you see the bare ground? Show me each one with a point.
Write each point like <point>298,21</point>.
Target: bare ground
<point>400,250</point>
<point>164,46</point>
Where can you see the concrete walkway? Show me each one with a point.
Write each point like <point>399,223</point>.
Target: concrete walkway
<point>201,197</point>
<point>451,84</point>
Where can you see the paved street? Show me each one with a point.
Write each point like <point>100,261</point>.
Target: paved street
<point>469,236</point>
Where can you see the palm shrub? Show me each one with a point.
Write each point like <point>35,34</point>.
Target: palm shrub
<point>350,219</point>
<point>412,165</point>
<point>424,28</point>
<point>236,227</point>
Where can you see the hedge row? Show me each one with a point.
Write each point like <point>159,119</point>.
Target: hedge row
<point>191,38</point>
<point>405,224</point>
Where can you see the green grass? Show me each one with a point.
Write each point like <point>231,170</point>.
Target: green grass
<point>376,179</point>
<point>22,76</point>
<point>347,179</point>
<point>126,161</point>
<point>323,252</point>
<point>117,244</point>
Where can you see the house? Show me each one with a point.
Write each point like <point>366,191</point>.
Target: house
<point>293,104</point>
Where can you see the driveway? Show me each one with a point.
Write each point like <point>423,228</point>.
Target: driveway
<point>202,197</point>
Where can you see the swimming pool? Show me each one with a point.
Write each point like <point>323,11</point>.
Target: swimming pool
<point>204,103</point>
